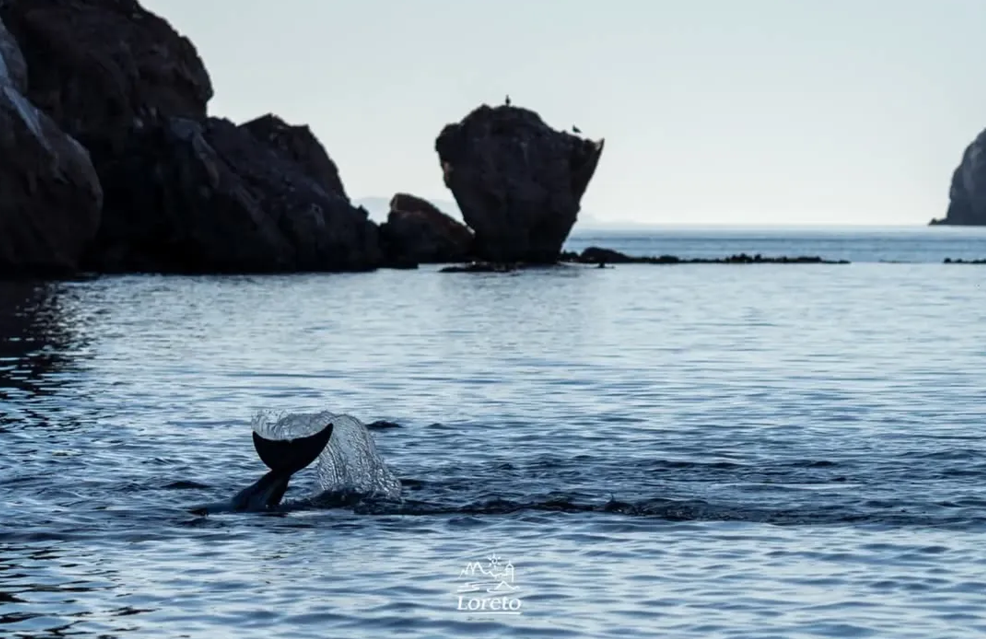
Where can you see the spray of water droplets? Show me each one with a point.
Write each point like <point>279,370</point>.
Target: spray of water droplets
<point>350,462</point>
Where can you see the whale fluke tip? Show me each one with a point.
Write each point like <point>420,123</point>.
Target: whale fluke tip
<point>291,455</point>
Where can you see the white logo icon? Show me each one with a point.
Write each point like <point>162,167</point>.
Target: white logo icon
<point>489,589</point>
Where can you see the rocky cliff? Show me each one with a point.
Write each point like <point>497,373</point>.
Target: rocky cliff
<point>50,197</point>
<point>183,192</point>
<point>209,197</point>
<point>967,195</point>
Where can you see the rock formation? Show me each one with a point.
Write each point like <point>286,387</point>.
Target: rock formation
<point>209,197</point>
<point>517,181</point>
<point>416,232</point>
<point>102,67</point>
<point>184,193</point>
<point>50,197</point>
<point>967,195</point>
<point>298,144</point>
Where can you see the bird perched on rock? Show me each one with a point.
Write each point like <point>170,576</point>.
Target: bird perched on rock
<point>508,100</point>
<point>576,129</point>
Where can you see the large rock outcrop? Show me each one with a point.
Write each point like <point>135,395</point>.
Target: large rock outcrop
<point>967,206</point>
<point>416,232</point>
<point>102,67</point>
<point>210,197</point>
<point>50,197</point>
<point>184,192</point>
<point>517,181</point>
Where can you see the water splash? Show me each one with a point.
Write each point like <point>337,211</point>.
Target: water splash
<point>350,463</point>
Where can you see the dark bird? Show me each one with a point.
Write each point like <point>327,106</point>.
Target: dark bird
<point>576,129</point>
<point>508,100</point>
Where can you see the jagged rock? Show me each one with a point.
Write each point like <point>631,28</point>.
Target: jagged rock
<point>50,197</point>
<point>416,232</point>
<point>517,181</point>
<point>299,144</point>
<point>967,206</point>
<point>102,67</point>
<point>209,197</point>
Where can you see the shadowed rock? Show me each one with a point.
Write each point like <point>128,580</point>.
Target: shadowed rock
<point>102,67</point>
<point>482,267</point>
<point>517,181</point>
<point>299,144</point>
<point>416,232</point>
<point>50,197</point>
<point>209,197</point>
<point>13,68</point>
<point>967,195</point>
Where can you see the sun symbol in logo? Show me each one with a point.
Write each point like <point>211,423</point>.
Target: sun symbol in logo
<point>494,561</point>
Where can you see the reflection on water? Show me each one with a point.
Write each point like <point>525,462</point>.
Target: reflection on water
<point>43,351</point>
<point>33,339</point>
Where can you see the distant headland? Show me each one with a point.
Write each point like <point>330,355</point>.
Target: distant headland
<point>111,164</point>
<point>967,195</point>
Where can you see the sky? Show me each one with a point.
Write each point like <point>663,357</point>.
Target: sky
<point>728,112</point>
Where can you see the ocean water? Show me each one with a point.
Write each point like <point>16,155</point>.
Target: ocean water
<point>908,244</point>
<point>641,451</point>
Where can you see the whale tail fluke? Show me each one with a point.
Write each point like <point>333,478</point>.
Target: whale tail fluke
<point>288,456</point>
<point>284,457</point>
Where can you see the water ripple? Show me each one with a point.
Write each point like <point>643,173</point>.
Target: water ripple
<point>770,452</point>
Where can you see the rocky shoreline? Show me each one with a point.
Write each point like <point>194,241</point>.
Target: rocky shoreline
<point>111,163</point>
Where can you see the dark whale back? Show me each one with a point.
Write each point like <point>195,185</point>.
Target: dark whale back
<point>291,455</point>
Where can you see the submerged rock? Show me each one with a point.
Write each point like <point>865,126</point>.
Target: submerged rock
<point>967,195</point>
<point>416,232</point>
<point>100,68</point>
<point>482,267</point>
<point>50,198</point>
<point>210,197</point>
<point>603,256</point>
<point>518,182</point>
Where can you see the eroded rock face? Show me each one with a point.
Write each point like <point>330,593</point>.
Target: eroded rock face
<point>416,232</point>
<point>967,206</point>
<point>517,181</point>
<point>50,197</point>
<point>210,197</point>
<point>299,144</point>
<point>102,67</point>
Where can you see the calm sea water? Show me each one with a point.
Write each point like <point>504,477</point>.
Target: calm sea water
<point>861,244</point>
<point>657,451</point>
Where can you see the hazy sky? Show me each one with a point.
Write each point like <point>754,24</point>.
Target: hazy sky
<point>714,111</point>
